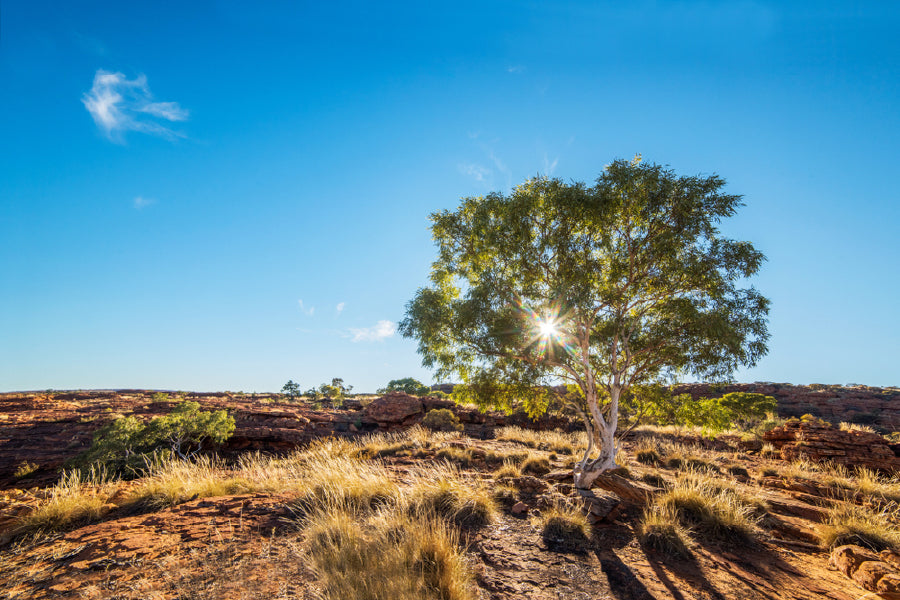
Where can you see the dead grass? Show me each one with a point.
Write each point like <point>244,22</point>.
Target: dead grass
<point>173,481</point>
<point>75,499</point>
<point>508,470</point>
<point>553,440</point>
<point>392,554</point>
<point>346,483</point>
<point>564,527</point>
<point>844,426</point>
<point>854,524</point>
<point>660,529</point>
<point>441,490</point>
<point>535,465</point>
<point>461,456</point>
<point>711,507</point>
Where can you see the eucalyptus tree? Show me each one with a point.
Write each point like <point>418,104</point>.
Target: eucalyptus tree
<point>599,287</point>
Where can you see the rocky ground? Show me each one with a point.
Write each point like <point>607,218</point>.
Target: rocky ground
<point>249,545</point>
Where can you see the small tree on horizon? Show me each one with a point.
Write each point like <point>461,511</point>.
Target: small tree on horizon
<point>625,282</point>
<point>409,385</point>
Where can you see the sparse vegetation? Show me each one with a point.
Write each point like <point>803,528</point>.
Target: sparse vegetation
<point>441,490</point>
<point>75,499</point>
<point>564,527</point>
<point>853,524</point>
<point>660,529</point>
<point>442,419</point>
<point>25,469</point>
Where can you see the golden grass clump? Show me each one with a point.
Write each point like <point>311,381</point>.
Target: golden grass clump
<point>442,491</point>
<point>393,554</point>
<point>171,481</point>
<point>660,529</point>
<point>854,524</point>
<point>646,452</point>
<point>553,440</point>
<point>461,456</point>
<point>75,499</point>
<point>345,483</point>
<point>844,426</point>
<point>516,456</point>
<point>508,470</point>
<point>710,507</point>
<point>564,527</point>
<point>535,465</point>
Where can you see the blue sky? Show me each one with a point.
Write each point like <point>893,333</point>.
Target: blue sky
<point>218,195</point>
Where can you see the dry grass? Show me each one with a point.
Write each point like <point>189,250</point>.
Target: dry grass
<point>844,426</point>
<point>711,507</point>
<point>535,465</point>
<point>554,440</point>
<point>564,527</point>
<point>461,456</point>
<point>392,554</point>
<point>75,499</point>
<point>509,469</point>
<point>173,481</point>
<point>646,451</point>
<point>660,529</point>
<point>854,524</point>
<point>346,483</point>
<point>442,491</point>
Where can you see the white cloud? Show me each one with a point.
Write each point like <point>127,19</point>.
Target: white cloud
<point>306,311</point>
<point>515,69</point>
<point>477,172</point>
<point>141,202</point>
<point>380,331</point>
<point>550,167</point>
<point>339,308</point>
<point>119,105</point>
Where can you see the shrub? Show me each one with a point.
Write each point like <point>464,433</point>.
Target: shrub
<point>125,445</point>
<point>25,469</point>
<point>292,389</point>
<point>408,385</point>
<point>442,419</point>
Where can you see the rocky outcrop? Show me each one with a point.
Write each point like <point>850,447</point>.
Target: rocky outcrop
<point>395,410</point>
<point>820,442</point>
<point>862,404</point>
<point>875,573</point>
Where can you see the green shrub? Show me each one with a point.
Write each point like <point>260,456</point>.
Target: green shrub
<point>442,419</point>
<point>125,444</point>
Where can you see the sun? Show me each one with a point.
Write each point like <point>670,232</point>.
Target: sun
<point>547,328</point>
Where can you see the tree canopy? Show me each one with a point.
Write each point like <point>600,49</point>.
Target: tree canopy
<point>601,287</point>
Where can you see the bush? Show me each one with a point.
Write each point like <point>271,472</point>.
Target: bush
<point>442,419</point>
<point>126,444</point>
<point>408,385</point>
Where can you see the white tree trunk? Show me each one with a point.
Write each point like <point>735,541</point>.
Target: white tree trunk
<point>587,471</point>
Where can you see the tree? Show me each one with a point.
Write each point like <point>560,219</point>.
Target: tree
<point>411,386</point>
<point>291,389</point>
<point>625,282</point>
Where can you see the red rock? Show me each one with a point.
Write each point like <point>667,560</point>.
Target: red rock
<point>520,508</point>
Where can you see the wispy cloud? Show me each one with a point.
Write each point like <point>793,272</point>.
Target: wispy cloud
<point>476,172</point>
<point>118,105</point>
<point>339,309</point>
<point>550,167</point>
<point>140,202</point>
<point>378,332</point>
<point>515,69</point>
<point>306,311</point>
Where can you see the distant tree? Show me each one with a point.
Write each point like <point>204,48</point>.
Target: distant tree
<point>604,287</point>
<point>408,385</point>
<point>291,389</point>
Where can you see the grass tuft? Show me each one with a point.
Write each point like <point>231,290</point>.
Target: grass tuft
<point>75,499</point>
<point>441,490</point>
<point>854,524</point>
<point>659,528</point>
<point>564,527</point>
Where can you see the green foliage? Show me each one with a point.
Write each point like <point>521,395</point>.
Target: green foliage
<point>291,389</point>
<point>160,397</point>
<point>606,286</point>
<point>408,385</point>
<point>442,419</point>
<point>333,392</point>
<point>127,443</point>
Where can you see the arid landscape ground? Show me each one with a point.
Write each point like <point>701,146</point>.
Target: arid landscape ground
<point>362,501</point>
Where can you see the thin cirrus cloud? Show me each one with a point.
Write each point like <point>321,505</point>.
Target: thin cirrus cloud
<point>119,105</point>
<point>339,308</point>
<point>141,202</point>
<point>308,311</point>
<point>378,332</point>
